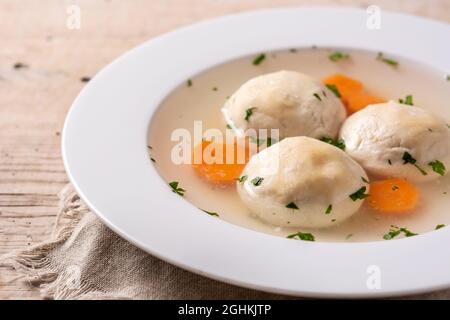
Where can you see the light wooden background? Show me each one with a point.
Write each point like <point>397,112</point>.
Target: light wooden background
<point>34,99</point>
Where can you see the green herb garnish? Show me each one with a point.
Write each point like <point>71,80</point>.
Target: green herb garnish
<point>359,194</point>
<point>317,96</point>
<point>439,226</point>
<point>395,188</point>
<point>395,231</point>
<point>364,180</point>
<point>349,236</point>
<point>257,181</point>
<point>408,158</point>
<point>293,50</point>
<point>408,100</point>
<point>338,55</point>
<point>329,208</point>
<point>214,214</point>
<point>249,113</point>
<point>292,205</point>
<point>242,179</point>
<point>437,167</point>
<point>391,234</point>
<point>189,83</point>
<point>448,77</point>
<point>215,89</point>
<point>334,89</point>
<point>301,236</point>
<point>259,59</point>
<point>174,186</point>
<point>390,62</point>
<point>228,126</point>
<point>337,143</point>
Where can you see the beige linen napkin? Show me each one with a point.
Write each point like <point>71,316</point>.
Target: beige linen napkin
<point>86,260</point>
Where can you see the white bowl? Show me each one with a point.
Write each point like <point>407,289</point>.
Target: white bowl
<point>106,158</point>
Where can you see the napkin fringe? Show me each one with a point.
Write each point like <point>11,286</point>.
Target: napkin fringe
<point>33,264</point>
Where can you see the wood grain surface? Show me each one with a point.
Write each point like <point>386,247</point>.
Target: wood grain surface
<point>42,65</point>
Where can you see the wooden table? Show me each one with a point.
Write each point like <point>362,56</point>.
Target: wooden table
<point>42,66</point>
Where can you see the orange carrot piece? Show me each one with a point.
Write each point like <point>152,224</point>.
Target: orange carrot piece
<point>393,196</point>
<point>360,100</point>
<point>346,85</point>
<point>220,163</point>
<point>353,94</point>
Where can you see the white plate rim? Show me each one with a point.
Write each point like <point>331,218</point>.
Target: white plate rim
<point>112,182</point>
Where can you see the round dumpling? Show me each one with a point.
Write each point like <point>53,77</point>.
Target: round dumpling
<point>291,102</point>
<point>397,140</point>
<point>303,182</point>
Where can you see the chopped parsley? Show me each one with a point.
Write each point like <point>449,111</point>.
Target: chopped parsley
<point>408,100</point>
<point>364,180</point>
<point>391,234</point>
<point>293,50</point>
<point>242,179</point>
<point>395,188</point>
<point>335,90</point>
<point>337,143</point>
<point>408,233</point>
<point>292,205</point>
<point>259,59</point>
<point>228,126</point>
<point>249,113</point>
<point>359,194</point>
<point>395,231</point>
<point>338,55</point>
<point>215,89</point>
<point>189,83</point>
<point>439,226</point>
<point>176,189</point>
<point>257,181</point>
<point>408,158</point>
<point>437,167</point>
<point>329,208</point>
<point>349,236</point>
<point>388,61</point>
<point>301,236</point>
<point>448,77</point>
<point>317,96</point>
<point>214,214</point>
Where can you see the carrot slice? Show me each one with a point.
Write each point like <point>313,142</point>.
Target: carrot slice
<point>220,163</point>
<point>393,196</point>
<point>360,100</point>
<point>353,94</point>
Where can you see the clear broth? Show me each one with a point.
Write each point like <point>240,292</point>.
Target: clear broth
<point>201,101</point>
